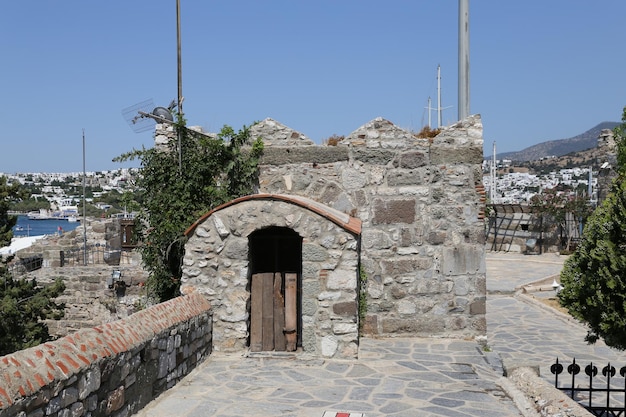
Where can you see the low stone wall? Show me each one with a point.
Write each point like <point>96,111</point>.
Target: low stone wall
<point>88,300</point>
<point>110,370</point>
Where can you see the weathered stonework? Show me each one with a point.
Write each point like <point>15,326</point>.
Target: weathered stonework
<point>420,244</point>
<point>88,300</point>
<point>109,370</point>
<point>216,264</point>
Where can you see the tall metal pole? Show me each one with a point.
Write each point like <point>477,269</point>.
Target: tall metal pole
<point>493,172</point>
<point>84,206</point>
<point>464,63</point>
<point>180,85</point>
<point>439,97</point>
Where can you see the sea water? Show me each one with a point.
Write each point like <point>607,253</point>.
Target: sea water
<point>30,227</point>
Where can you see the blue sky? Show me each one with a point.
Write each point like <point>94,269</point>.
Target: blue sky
<point>540,70</point>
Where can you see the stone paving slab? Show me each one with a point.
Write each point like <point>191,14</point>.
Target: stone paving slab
<point>506,271</point>
<point>392,377</point>
<point>400,376</point>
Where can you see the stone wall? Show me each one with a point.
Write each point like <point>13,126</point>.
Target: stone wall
<point>109,370</point>
<point>87,297</point>
<point>217,261</point>
<point>422,241</point>
<point>421,202</point>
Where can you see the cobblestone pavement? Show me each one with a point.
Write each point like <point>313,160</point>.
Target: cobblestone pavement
<point>400,376</point>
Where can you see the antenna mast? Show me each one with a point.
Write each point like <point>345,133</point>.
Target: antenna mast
<point>438,96</point>
<point>492,189</point>
<point>439,108</point>
<point>180,86</point>
<point>429,108</point>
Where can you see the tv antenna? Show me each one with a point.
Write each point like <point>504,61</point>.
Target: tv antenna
<point>143,116</point>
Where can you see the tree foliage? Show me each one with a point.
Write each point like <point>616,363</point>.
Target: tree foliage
<point>215,170</point>
<point>553,208</point>
<point>23,308</point>
<point>23,304</point>
<point>594,277</point>
<point>8,194</point>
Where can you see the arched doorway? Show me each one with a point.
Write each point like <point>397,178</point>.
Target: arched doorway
<point>275,284</point>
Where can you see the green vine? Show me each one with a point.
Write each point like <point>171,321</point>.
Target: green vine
<point>362,296</point>
<point>214,170</point>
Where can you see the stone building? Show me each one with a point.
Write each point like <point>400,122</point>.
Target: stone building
<point>380,235</point>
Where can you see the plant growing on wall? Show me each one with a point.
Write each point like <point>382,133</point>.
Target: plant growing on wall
<point>362,296</point>
<point>594,277</point>
<point>214,170</point>
<point>23,304</point>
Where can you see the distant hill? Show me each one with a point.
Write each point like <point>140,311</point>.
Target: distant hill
<point>559,147</point>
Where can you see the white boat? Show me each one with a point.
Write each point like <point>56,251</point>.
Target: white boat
<point>42,214</point>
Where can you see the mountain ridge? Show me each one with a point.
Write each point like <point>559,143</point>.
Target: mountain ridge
<point>559,147</point>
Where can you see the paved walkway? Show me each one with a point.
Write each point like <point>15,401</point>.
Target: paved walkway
<point>397,377</point>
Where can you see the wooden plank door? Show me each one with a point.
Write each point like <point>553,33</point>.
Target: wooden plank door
<point>273,312</point>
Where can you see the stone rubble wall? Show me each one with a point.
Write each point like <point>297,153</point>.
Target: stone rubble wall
<point>88,300</point>
<point>216,264</point>
<point>110,370</point>
<point>422,204</point>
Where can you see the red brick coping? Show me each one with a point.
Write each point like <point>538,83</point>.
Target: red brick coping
<point>25,372</point>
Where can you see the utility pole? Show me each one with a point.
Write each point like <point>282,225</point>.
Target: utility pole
<point>464,62</point>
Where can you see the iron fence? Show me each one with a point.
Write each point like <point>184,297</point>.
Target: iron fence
<point>602,394</point>
<point>93,255</point>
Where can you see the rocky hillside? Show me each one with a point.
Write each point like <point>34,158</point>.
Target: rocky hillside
<point>559,147</point>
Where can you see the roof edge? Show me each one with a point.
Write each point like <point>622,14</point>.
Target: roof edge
<point>347,222</point>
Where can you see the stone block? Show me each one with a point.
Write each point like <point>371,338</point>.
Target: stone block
<point>424,325</point>
<point>297,155</point>
<point>353,179</point>
<point>329,346</point>
<point>89,382</point>
<point>408,177</point>
<point>341,280</point>
<point>313,253</point>
<point>346,308</point>
<point>115,400</point>
<point>463,259</point>
<point>411,160</point>
<point>450,155</point>
<point>478,306</point>
<point>344,328</point>
<point>396,267</point>
<point>373,156</point>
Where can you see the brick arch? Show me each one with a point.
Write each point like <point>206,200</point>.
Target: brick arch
<point>217,265</point>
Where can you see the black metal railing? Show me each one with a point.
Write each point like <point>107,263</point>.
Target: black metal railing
<point>605,398</point>
<point>93,255</point>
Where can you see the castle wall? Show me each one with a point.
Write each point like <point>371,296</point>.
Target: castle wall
<point>421,202</point>
<point>109,370</point>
